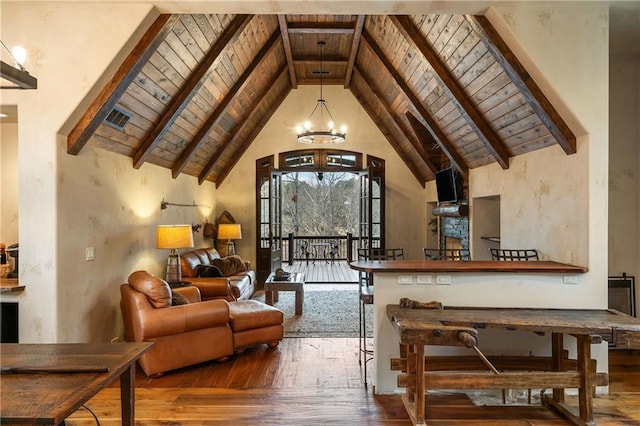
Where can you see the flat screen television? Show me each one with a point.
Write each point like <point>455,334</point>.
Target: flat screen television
<point>448,186</point>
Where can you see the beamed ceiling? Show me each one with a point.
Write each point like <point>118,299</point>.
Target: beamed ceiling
<point>443,89</point>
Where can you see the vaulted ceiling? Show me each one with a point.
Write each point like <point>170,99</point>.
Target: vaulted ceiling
<point>443,89</point>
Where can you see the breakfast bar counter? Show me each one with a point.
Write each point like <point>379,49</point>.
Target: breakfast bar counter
<point>479,284</point>
<point>439,266</point>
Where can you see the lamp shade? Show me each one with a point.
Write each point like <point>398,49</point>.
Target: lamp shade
<point>229,231</point>
<point>174,236</point>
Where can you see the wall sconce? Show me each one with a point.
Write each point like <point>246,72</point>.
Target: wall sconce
<point>230,231</point>
<point>164,204</point>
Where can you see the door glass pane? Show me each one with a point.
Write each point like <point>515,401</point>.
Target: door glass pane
<point>300,160</point>
<point>341,160</point>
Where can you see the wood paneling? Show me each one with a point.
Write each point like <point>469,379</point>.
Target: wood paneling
<point>192,112</point>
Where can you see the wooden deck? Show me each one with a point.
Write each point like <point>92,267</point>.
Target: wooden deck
<point>322,271</point>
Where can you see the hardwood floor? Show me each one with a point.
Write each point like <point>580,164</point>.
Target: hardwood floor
<point>315,381</point>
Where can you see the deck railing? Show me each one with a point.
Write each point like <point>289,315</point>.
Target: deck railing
<point>335,248</point>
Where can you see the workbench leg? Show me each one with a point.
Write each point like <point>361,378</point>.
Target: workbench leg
<point>410,355</point>
<point>420,384</point>
<point>557,351</point>
<point>585,392</point>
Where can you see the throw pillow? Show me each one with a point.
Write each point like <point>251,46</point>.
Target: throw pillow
<point>178,299</point>
<point>230,265</point>
<point>209,271</point>
<point>156,289</point>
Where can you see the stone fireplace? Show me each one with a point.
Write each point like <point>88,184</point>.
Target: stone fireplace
<point>454,232</point>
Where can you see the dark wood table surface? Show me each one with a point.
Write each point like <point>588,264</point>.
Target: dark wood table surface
<point>45,383</point>
<point>518,267</point>
<point>458,326</point>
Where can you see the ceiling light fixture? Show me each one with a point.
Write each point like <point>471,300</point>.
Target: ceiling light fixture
<point>18,76</point>
<point>325,135</point>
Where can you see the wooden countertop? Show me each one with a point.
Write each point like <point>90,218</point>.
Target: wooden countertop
<point>437,266</point>
<point>10,285</point>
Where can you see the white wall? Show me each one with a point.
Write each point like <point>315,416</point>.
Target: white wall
<point>624,172</point>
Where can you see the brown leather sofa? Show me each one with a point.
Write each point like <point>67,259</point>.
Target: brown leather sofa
<point>238,281</point>
<point>194,331</point>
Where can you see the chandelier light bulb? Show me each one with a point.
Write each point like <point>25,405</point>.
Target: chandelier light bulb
<point>19,54</point>
<point>307,125</point>
<point>331,125</point>
<point>343,129</point>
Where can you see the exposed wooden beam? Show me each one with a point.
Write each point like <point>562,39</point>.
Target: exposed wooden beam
<point>320,27</point>
<point>385,130</point>
<point>450,84</point>
<point>325,81</point>
<point>355,45</point>
<point>249,140</point>
<point>189,89</point>
<point>315,59</point>
<point>117,85</point>
<point>200,137</point>
<point>438,134</point>
<point>400,125</point>
<point>523,81</point>
<point>425,139</point>
<point>220,150</point>
<point>284,30</point>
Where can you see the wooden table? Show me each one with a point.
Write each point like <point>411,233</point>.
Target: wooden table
<point>294,283</point>
<point>459,327</point>
<point>45,383</point>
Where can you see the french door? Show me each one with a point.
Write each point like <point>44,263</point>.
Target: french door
<point>269,218</point>
<point>371,223</point>
<point>371,229</point>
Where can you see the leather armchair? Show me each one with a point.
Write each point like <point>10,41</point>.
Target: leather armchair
<point>183,335</point>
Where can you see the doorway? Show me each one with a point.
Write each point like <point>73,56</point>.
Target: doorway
<point>315,210</point>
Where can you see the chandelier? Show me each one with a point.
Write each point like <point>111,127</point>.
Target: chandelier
<point>324,135</point>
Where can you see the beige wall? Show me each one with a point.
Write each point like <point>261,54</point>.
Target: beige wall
<point>97,199</point>
<point>550,201</point>
<point>405,196</point>
<point>624,173</point>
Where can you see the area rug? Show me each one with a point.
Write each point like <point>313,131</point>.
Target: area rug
<point>331,313</point>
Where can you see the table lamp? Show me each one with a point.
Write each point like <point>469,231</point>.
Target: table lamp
<point>174,237</point>
<point>230,231</point>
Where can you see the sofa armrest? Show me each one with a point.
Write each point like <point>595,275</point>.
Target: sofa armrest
<point>183,318</point>
<point>212,287</point>
<point>192,293</point>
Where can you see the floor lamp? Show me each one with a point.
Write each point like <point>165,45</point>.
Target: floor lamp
<point>230,231</point>
<point>174,237</point>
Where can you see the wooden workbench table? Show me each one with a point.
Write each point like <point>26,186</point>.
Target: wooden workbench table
<point>459,327</point>
<point>45,383</point>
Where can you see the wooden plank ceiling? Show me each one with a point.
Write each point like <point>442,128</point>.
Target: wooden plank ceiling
<point>443,89</point>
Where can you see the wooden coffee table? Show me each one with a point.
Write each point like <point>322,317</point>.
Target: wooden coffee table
<point>294,283</point>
